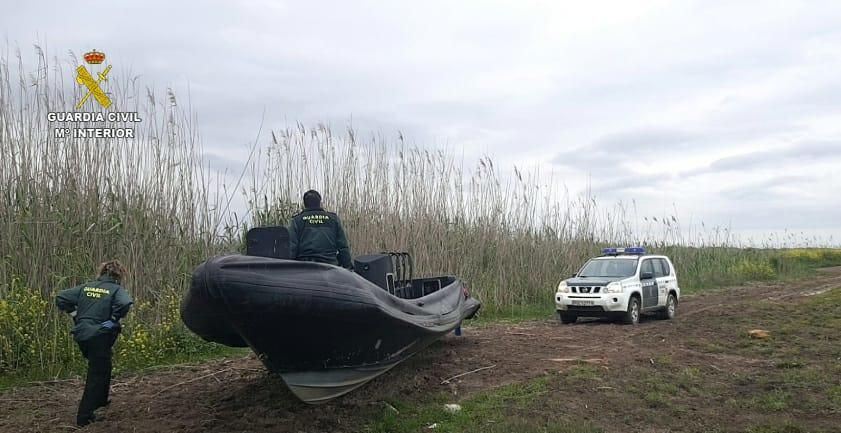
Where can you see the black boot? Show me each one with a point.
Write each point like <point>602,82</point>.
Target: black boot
<point>84,420</point>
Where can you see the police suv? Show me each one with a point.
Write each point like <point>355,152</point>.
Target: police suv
<point>622,282</point>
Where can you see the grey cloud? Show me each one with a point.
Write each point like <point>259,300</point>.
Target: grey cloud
<point>807,152</point>
<point>768,189</point>
<point>609,150</point>
<point>614,185</point>
<point>508,81</point>
<point>776,215</point>
<point>648,140</point>
<point>222,164</point>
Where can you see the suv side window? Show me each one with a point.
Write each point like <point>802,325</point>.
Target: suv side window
<point>665,269</point>
<point>658,268</point>
<point>647,266</point>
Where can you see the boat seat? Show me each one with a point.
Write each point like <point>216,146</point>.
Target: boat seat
<point>271,241</point>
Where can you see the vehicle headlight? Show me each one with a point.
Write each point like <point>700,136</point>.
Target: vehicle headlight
<point>562,287</point>
<point>614,287</point>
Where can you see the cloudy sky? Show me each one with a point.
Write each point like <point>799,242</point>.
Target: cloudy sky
<point>728,111</point>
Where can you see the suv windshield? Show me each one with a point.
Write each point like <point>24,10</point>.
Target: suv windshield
<point>609,268</point>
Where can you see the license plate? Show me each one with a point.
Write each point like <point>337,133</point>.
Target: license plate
<point>582,302</point>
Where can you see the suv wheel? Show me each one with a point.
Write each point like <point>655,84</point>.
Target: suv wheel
<point>567,318</point>
<point>671,306</point>
<point>632,315</point>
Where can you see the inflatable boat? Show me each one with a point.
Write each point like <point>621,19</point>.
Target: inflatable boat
<point>324,329</point>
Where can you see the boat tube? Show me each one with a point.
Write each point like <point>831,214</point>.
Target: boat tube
<point>324,329</point>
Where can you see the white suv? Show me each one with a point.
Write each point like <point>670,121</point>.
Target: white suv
<point>623,282</point>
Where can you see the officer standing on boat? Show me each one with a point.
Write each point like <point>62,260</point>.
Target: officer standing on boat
<point>96,307</point>
<point>317,235</point>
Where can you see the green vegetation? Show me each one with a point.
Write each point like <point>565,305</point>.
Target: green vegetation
<point>66,205</point>
<point>502,410</point>
<point>788,383</point>
<point>33,348</point>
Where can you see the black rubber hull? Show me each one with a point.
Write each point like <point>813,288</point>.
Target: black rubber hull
<point>317,322</point>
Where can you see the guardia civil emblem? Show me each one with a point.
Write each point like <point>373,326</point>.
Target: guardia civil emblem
<point>84,78</point>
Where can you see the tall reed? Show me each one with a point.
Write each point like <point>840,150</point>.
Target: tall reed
<point>67,204</point>
<point>512,237</point>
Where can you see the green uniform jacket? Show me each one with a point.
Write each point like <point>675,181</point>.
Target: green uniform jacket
<point>318,235</point>
<point>95,302</point>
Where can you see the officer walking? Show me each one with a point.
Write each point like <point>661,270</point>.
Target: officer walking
<point>317,235</point>
<point>96,307</point>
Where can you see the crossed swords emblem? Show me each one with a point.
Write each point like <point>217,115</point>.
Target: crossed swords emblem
<point>84,78</point>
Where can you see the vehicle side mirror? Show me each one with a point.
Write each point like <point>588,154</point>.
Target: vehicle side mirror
<point>572,276</point>
<point>646,275</point>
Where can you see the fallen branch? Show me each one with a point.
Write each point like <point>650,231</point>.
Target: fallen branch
<point>169,367</point>
<point>192,380</point>
<point>129,382</point>
<point>52,382</point>
<point>587,360</point>
<point>448,380</point>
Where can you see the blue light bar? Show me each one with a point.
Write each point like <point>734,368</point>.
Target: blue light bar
<point>616,251</point>
<point>635,250</point>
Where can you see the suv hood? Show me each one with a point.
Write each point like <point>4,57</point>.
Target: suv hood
<point>592,281</point>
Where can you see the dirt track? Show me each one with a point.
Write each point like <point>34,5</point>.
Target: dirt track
<point>238,396</point>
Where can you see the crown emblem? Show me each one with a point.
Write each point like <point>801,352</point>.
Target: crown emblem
<point>94,57</point>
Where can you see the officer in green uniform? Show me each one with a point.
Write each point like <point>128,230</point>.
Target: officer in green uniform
<point>317,235</point>
<point>96,307</point>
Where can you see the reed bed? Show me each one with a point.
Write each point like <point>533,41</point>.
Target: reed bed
<point>69,204</point>
<point>511,237</point>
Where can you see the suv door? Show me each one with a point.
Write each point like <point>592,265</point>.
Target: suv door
<point>649,286</point>
<point>662,273</point>
<point>669,280</point>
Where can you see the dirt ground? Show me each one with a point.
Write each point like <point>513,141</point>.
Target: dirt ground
<point>237,395</point>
